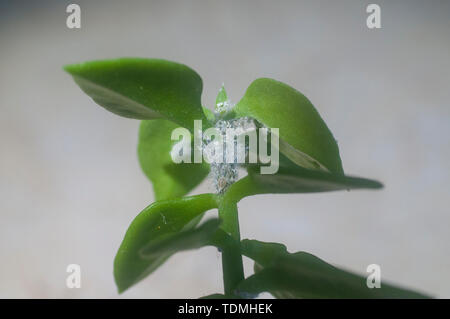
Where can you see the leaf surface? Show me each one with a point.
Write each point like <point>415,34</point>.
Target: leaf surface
<point>304,137</point>
<point>162,226</point>
<point>302,275</point>
<point>169,179</point>
<point>143,88</point>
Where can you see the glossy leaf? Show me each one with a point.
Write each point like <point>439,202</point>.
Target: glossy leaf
<point>170,180</point>
<point>143,88</point>
<point>302,180</point>
<point>302,275</point>
<point>183,240</point>
<point>159,225</point>
<point>293,180</point>
<point>304,137</point>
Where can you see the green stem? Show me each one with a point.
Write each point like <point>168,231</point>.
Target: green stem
<point>233,270</point>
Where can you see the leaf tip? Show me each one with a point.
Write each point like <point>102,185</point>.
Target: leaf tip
<point>222,102</point>
<point>70,68</point>
<point>376,184</point>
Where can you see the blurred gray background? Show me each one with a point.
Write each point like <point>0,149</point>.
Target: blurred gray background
<point>70,182</point>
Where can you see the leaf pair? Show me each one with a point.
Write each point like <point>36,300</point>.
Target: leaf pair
<point>302,275</point>
<point>153,89</point>
<point>168,226</point>
<point>165,95</point>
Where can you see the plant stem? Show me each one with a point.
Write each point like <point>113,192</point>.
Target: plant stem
<point>233,270</point>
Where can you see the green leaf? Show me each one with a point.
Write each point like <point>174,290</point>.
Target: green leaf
<point>143,88</point>
<point>183,240</point>
<point>293,180</point>
<point>209,115</point>
<point>221,97</point>
<point>159,225</point>
<point>304,137</point>
<point>302,180</point>
<point>302,275</point>
<point>169,179</point>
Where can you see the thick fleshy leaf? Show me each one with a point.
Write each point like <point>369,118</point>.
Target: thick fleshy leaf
<point>159,225</point>
<point>170,180</point>
<point>302,275</point>
<point>304,137</point>
<point>142,88</point>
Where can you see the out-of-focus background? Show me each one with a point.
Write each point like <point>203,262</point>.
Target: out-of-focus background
<point>70,182</point>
